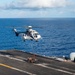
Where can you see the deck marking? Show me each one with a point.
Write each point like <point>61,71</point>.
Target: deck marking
<point>63,68</point>
<point>10,67</point>
<point>55,69</point>
<point>12,58</point>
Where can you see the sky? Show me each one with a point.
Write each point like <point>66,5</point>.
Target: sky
<point>37,8</point>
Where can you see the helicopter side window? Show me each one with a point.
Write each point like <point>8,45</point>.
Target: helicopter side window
<point>35,35</point>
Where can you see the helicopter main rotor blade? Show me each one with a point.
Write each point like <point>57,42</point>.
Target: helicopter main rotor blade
<point>25,26</point>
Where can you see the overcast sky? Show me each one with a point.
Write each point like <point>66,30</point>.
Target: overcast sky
<point>37,8</point>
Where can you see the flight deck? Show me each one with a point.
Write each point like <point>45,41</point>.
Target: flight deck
<point>15,62</point>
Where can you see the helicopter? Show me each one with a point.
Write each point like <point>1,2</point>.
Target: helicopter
<point>29,34</point>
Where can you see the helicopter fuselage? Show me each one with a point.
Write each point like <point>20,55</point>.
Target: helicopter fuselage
<point>31,34</point>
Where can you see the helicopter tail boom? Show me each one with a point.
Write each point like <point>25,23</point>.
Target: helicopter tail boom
<point>16,33</point>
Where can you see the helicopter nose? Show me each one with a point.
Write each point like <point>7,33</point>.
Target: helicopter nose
<point>39,37</point>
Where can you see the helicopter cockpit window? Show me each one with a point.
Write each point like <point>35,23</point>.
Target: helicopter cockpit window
<point>35,35</point>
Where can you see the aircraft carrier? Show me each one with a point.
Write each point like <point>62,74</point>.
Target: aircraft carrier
<point>16,62</point>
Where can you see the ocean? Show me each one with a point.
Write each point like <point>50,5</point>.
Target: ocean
<point>58,35</point>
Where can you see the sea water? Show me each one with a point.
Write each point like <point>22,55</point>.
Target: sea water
<point>58,35</point>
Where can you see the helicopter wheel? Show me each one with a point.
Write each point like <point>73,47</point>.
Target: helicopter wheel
<point>31,39</point>
<point>24,40</point>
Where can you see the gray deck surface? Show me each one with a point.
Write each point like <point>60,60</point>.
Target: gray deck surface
<point>14,62</point>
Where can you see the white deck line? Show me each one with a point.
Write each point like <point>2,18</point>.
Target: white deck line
<point>8,56</point>
<point>60,70</point>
